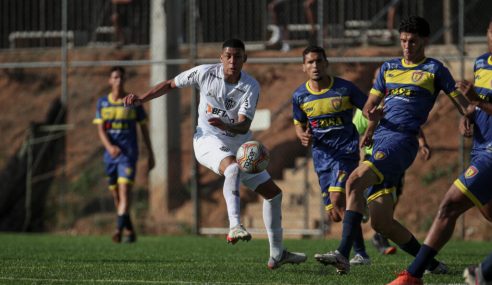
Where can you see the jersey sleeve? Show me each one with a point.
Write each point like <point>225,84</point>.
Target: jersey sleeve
<point>299,115</point>
<point>248,106</point>
<point>379,86</point>
<point>360,122</point>
<point>98,119</point>
<point>190,77</point>
<point>357,97</point>
<point>446,83</point>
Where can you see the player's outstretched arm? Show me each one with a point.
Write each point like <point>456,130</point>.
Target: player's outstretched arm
<point>156,91</point>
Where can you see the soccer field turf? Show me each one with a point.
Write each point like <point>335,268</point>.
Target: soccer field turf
<point>52,259</point>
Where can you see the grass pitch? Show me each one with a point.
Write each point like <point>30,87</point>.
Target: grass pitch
<point>52,259</point>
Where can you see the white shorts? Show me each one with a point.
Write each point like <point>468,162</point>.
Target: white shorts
<point>211,150</point>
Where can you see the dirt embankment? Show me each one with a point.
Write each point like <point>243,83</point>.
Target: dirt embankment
<point>26,93</point>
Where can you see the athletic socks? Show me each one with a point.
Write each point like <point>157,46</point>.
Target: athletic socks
<point>120,222</point>
<point>128,222</point>
<point>231,194</point>
<point>413,248</point>
<point>272,217</point>
<point>351,224</point>
<point>422,261</point>
<point>359,245</point>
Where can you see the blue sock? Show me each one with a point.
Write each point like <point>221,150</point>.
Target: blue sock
<point>412,247</point>
<point>422,261</point>
<point>120,222</point>
<point>351,221</point>
<point>359,245</point>
<point>128,222</point>
<point>486,267</point>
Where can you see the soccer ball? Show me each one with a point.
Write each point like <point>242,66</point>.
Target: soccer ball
<point>252,157</point>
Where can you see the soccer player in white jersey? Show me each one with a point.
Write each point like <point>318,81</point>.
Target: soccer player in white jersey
<point>228,98</point>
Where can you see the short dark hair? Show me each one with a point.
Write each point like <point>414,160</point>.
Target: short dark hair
<point>121,69</point>
<point>315,49</point>
<point>415,25</point>
<point>234,43</point>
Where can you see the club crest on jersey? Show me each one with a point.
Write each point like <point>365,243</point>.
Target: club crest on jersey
<point>341,175</point>
<point>128,171</point>
<point>336,103</point>
<point>379,155</point>
<point>417,75</point>
<point>229,104</point>
<point>471,171</point>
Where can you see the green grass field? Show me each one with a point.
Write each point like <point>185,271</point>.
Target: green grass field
<point>51,259</point>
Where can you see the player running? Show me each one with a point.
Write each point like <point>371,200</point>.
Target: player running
<point>409,87</point>
<point>472,188</point>
<point>323,108</point>
<point>228,98</point>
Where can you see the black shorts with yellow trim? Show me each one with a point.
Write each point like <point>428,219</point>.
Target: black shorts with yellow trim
<point>119,173</point>
<point>474,182</point>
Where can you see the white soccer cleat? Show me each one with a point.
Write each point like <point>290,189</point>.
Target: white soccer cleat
<point>238,233</point>
<point>441,268</point>
<point>287,257</point>
<point>473,276</point>
<point>360,260</point>
<point>334,258</point>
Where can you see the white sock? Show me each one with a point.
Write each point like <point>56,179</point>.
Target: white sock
<point>231,194</point>
<point>272,217</point>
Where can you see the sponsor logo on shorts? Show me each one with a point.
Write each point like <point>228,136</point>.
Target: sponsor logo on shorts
<point>128,171</point>
<point>471,172</point>
<point>224,148</point>
<point>341,176</point>
<point>379,155</point>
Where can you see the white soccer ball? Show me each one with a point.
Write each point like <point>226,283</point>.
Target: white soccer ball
<point>252,157</point>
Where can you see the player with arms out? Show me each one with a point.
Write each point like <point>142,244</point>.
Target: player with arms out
<point>228,98</point>
<point>323,108</point>
<point>472,188</point>
<point>117,129</point>
<point>409,87</point>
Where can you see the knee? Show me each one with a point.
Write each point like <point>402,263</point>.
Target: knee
<point>336,215</point>
<point>381,226</point>
<point>447,211</point>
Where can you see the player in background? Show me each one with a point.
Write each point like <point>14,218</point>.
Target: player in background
<point>228,98</point>
<point>378,240</point>
<point>409,87</point>
<point>117,130</point>
<point>472,188</point>
<point>323,107</point>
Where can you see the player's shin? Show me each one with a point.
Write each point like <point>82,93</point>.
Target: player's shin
<point>272,217</point>
<point>231,194</point>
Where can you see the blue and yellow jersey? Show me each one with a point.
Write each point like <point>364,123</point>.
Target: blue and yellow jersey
<point>482,133</point>
<point>410,91</point>
<point>120,123</point>
<point>329,114</point>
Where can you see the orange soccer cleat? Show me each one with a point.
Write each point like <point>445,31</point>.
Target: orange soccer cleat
<point>405,278</point>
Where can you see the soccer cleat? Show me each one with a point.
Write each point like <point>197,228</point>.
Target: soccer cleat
<point>360,260</point>
<point>441,268</point>
<point>116,237</point>
<point>473,276</point>
<point>238,233</point>
<point>130,238</point>
<point>334,258</point>
<point>287,257</point>
<point>405,278</point>
<point>382,244</point>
